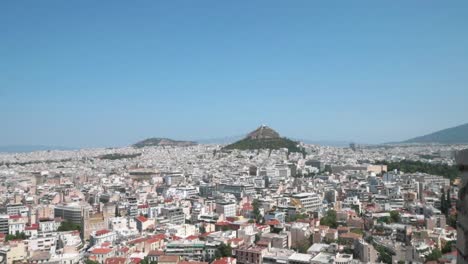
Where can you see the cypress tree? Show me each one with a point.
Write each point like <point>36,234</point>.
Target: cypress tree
<point>443,202</point>
<point>448,202</point>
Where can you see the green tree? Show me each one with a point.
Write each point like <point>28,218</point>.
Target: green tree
<point>357,231</point>
<point>217,255</point>
<point>384,219</point>
<point>329,219</point>
<point>88,261</point>
<point>452,220</point>
<point>395,216</point>
<point>355,207</point>
<point>447,247</point>
<point>257,238</point>
<point>410,166</point>
<point>256,211</point>
<point>17,235</point>
<point>434,255</point>
<point>443,202</point>
<point>384,254</point>
<point>303,246</point>
<point>202,229</point>
<point>68,226</point>
<point>225,250</point>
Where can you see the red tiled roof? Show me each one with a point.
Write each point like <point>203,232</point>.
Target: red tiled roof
<point>156,253</point>
<point>137,241</point>
<point>115,260</point>
<point>173,237</point>
<point>106,244</point>
<point>15,216</point>
<point>247,206</point>
<point>192,262</point>
<point>102,232</point>
<point>223,223</point>
<point>31,228</point>
<point>136,260</point>
<point>101,251</point>
<point>142,218</point>
<point>224,261</point>
<point>205,234</point>
<point>235,241</point>
<point>124,249</point>
<point>273,222</point>
<point>165,258</point>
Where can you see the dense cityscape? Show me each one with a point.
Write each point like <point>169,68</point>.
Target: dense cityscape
<point>172,203</point>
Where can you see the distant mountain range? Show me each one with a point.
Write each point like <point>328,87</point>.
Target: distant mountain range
<point>150,142</point>
<point>30,148</point>
<point>453,135</point>
<point>265,138</point>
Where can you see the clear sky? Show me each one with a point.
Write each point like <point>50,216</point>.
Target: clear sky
<point>109,73</point>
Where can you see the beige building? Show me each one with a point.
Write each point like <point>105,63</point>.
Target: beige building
<point>15,251</point>
<point>365,252</point>
<point>300,232</point>
<point>377,169</point>
<point>250,255</point>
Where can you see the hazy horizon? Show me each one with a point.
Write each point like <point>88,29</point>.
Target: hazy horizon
<point>89,74</point>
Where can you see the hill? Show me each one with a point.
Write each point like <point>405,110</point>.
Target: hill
<point>453,135</point>
<point>265,138</point>
<point>154,142</point>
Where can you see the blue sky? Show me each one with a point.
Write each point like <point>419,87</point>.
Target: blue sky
<point>109,73</point>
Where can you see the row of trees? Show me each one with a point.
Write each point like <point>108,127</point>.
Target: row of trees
<point>18,235</point>
<point>296,217</point>
<point>410,166</point>
<point>69,226</point>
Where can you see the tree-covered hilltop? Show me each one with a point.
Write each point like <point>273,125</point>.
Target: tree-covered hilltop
<point>412,166</point>
<point>270,143</point>
<point>265,138</point>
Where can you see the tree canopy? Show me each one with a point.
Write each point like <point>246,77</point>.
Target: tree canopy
<point>69,226</point>
<point>411,166</point>
<point>329,219</point>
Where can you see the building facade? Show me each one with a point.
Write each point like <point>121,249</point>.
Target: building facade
<point>462,208</point>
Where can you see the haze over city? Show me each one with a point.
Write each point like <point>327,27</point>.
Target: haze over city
<point>88,74</point>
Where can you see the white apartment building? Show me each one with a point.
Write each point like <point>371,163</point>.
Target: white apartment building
<point>310,202</point>
<point>226,208</point>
